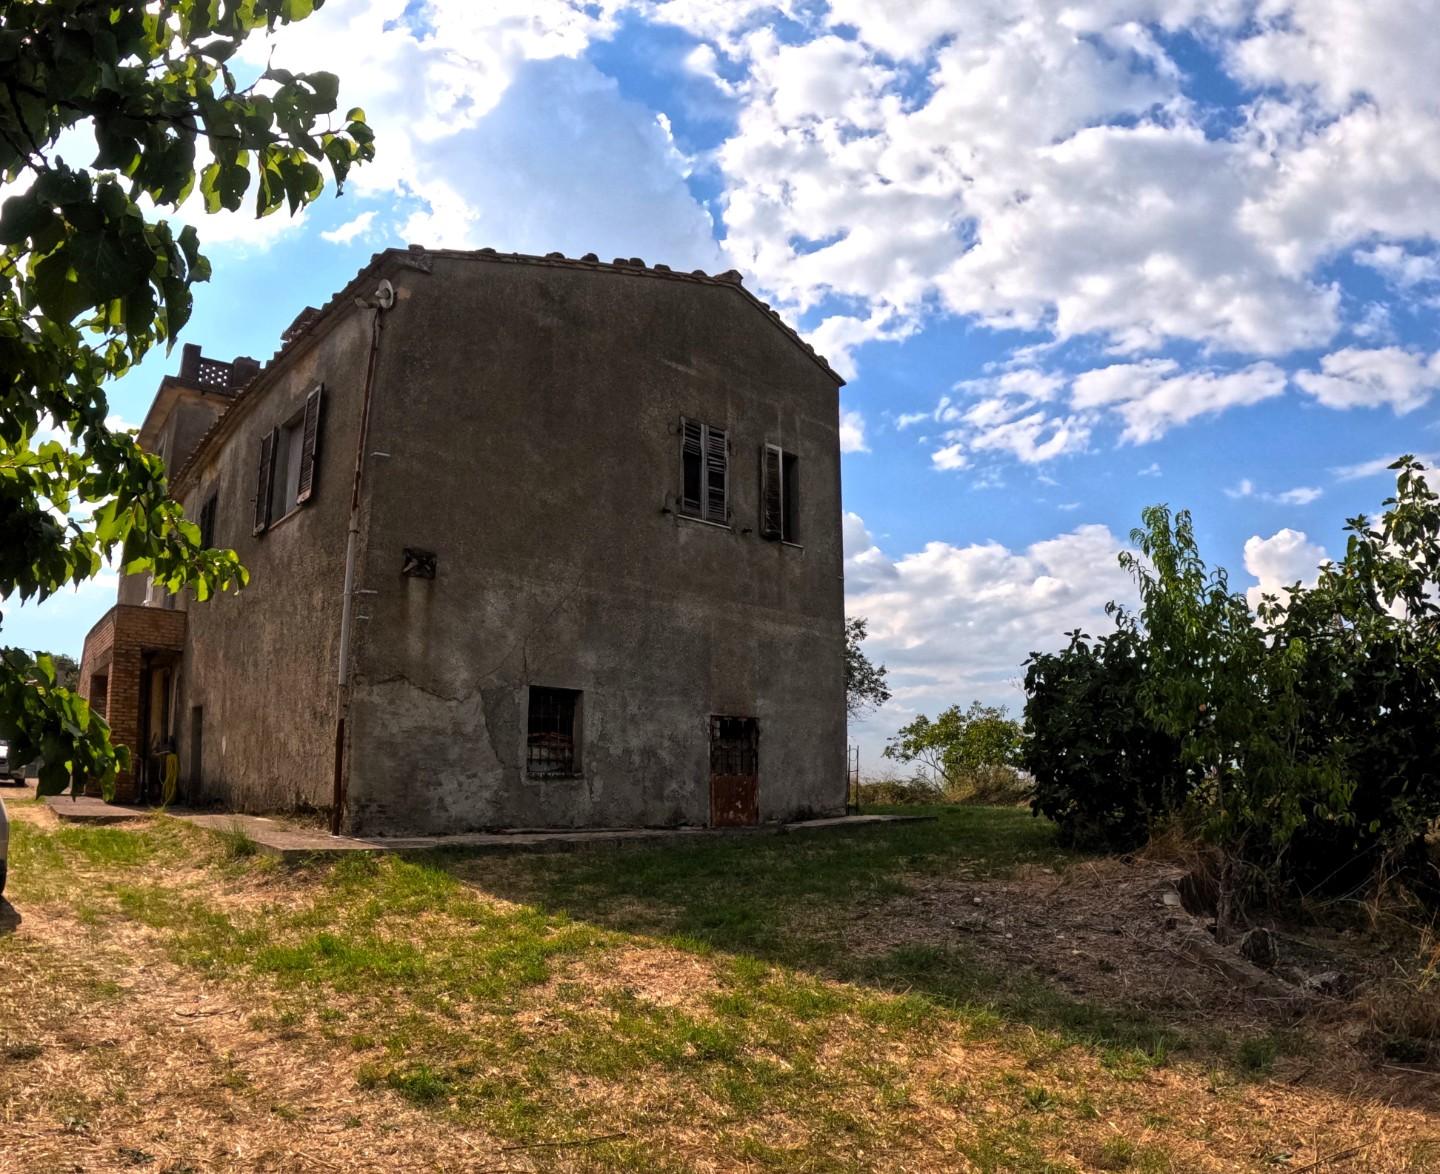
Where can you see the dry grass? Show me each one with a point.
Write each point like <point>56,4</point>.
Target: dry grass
<point>167,1006</point>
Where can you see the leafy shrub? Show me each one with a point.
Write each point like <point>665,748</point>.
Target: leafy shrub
<point>1102,770</point>
<point>894,792</point>
<point>1302,737</point>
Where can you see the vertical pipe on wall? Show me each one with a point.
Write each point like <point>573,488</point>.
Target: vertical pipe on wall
<point>378,304</point>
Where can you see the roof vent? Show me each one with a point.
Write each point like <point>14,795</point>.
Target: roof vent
<point>554,256</point>
<point>487,251</point>
<point>662,268</point>
<point>416,248</point>
<point>638,262</point>
<point>592,258</point>
<point>731,275</point>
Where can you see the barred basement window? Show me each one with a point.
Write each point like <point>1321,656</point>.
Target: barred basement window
<point>551,746</point>
<point>705,472</point>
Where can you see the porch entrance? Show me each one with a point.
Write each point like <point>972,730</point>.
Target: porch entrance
<point>734,772</point>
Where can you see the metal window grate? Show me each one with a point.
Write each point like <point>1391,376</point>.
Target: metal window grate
<point>734,745</point>
<point>550,744</point>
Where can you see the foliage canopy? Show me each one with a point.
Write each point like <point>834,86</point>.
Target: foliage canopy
<point>865,687</point>
<point>1302,737</point>
<point>977,749</point>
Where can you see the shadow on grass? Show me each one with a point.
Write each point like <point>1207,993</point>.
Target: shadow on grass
<point>790,901</point>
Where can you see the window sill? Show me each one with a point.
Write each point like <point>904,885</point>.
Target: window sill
<point>282,519</point>
<point>703,522</point>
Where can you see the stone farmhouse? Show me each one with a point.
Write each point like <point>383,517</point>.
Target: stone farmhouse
<point>533,542</point>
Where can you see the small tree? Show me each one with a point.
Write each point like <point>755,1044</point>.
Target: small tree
<point>90,281</point>
<point>865,688</point>
<point>978,749</point>
<point>1301,739</point>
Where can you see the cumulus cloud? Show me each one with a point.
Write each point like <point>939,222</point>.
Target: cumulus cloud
<point>1399,265</point>
<point>1384,376</point>
<point>1153,396</point>
<point>1012,413</point>
<point>495,129</point>
<point>852,432</point>
<point>1279,562</point>
<point>952,622</point>
<point>348,231</point>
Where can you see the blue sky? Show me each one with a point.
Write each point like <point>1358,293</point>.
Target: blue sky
<point>1073,257</point>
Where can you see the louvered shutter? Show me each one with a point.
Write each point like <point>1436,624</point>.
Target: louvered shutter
<point>772,494</point>
<point>309,443</point>
<point>692,465</point>
<point>717,475</point>
<point>264,478</point>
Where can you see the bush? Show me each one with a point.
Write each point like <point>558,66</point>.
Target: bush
<point>1102,771</point>
<point>895,792</point>
<point>1301,738</point>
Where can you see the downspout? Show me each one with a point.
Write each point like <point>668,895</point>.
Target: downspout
<point>382,300</point>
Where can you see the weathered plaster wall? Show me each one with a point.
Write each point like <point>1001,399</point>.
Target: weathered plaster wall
<point>531,419</point>
<point>262,662</point>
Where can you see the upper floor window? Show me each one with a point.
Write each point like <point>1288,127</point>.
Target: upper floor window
<point>206,521</point>
<point>285,476</point>
<point>779,494</point>
<point>704,472</point>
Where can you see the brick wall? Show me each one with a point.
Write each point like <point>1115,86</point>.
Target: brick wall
<point>115,648</point>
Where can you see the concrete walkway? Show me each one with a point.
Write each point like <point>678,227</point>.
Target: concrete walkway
<point>291,843</point>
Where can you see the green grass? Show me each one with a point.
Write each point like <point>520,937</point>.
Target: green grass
<point>487,990</point>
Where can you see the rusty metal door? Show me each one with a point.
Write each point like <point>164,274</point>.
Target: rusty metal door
<point>734,772</point>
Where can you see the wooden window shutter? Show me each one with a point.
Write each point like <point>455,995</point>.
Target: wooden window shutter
<point>772,494</point>
<point>691,464</point>
<point>309,443</point>
<point>717,475</point>
<point>265,478</point>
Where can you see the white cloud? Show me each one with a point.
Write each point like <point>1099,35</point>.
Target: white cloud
<point>1300,495</point>
<point>1153,396</point>
<point>493,130</point>
<point>1279,562</point>
<point>1374,467</point>
<point>584,170</point>
<point>1011,413</point>
<point>951,457</point>
<point>1359,378</point>
<point>852,432</point>
<point>956,622</point>
<point>1404,268</point>
<point>348,231</point>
